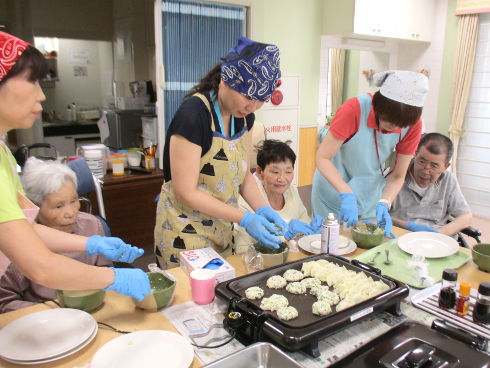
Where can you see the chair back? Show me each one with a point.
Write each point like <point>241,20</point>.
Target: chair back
<point>84,175</point>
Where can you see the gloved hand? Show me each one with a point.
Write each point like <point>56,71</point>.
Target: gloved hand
<point>131,282</point>
<point>348,208</point>
<point>413,226</point>
<point>316,224</point>
<point>297,226</point>
<point>383,218</point>
<point>273,217</point>
<point>261,229</point>
<point>391,235</point>
<point>112,248</point>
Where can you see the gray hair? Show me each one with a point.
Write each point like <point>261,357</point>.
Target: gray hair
<point>40,178</point>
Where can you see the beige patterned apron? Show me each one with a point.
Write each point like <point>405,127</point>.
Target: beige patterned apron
<point>179,227</point>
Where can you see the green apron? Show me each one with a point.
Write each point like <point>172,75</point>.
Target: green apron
<point>180,227</point>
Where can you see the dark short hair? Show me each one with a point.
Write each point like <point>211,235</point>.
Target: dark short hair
<point>31,59</point>
<point>398,113</point>
<point>272,150</point>
<point>436,144</point>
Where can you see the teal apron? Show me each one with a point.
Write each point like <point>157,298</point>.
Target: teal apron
<point>358,163</point>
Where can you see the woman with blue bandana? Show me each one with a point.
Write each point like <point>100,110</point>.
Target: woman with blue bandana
<point>206,159</point>
<point>351,179</point>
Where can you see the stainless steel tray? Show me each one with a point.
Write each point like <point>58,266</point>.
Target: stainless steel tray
<point>261,354</point>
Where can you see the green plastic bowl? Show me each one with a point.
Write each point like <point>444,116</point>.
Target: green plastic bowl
<point>162,291</point>
<point>86,300</point>
<point>481,256</point>
<point>367,236</point>
<point>273,257</point>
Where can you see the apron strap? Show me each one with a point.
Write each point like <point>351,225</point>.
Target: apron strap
<point>208,106</point>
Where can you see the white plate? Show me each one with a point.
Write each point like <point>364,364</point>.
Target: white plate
<point>64,355</point>
<point>428,244</point>
<point>312,244</point>
<point>148,348</point>
<point>45,334</point>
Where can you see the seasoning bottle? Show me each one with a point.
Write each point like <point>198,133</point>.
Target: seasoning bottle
<point>463,300</point>
<point>447,295</point>
<point>481,311</point>
<point>330,235</point>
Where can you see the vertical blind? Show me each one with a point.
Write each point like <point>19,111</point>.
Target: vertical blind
<point>473,163</point>
<point>195,36</point>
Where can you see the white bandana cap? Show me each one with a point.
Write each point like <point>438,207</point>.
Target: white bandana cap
<point>403,86</point>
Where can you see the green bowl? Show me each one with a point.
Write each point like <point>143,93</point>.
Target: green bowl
<point>86,300</point>
<point>273,257</point>
<point>367,235</point>
<point>481,256</point>
<point>162,291</point>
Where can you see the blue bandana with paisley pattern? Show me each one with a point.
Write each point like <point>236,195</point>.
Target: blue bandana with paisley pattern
<point>252,68</point>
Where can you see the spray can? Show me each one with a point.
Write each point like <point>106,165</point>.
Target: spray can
<point>330,235</point>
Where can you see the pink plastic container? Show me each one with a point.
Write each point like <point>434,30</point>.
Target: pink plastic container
<point>203,282</point>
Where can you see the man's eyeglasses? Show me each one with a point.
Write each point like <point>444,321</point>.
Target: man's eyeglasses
<point>432,166</point>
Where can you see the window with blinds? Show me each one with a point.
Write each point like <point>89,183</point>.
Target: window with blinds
<point>195,36</point>
<point>474,150</point>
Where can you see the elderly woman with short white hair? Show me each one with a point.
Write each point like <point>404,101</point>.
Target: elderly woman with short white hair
<point>53,187</point>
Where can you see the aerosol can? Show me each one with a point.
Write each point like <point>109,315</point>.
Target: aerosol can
<point>330,235</point>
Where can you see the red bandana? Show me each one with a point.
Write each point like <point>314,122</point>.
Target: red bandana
<point>11,48</point>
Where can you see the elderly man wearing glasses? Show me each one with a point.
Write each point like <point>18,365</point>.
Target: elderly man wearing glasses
<point>431,199</point>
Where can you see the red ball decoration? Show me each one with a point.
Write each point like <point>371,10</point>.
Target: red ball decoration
<point>276,97</point>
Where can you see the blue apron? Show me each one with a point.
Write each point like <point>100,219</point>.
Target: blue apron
<point>359,166</point>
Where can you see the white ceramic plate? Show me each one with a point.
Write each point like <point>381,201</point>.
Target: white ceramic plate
<point>428,244</point>
<point>45,334</point>
<point>312,244</point>
<point>64,355</point>
<point>148,348</point>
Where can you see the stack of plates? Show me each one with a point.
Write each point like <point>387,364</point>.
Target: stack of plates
<point>46,336</point>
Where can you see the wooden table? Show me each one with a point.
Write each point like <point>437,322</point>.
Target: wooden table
<point>119,310</point>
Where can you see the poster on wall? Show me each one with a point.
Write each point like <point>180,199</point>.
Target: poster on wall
<point>281,121</point>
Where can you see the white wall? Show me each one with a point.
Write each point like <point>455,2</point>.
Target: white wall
<point>377,61</point>
<point>415,56</point>
<point>90,90</point>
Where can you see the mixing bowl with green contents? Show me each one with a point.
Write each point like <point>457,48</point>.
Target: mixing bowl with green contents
<point>481,256</point>
<point>273,257</point>
<point>367,235</point>
<point>162,291</point>
<point>86,300</point>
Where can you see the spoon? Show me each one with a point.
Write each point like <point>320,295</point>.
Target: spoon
<point>388,261</point>
<point>373,261</point>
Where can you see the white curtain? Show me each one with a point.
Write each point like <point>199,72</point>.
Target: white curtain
<point>463,72</point>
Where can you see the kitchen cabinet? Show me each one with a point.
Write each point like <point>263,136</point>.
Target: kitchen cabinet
<point>130,206</point>
<point>65,145</point>
<point>402,19</point>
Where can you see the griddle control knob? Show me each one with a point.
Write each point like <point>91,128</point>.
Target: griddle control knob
<point>234,319</point>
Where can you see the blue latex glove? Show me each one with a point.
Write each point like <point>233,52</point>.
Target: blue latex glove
<point>383,218</point>
<point>261,229</point>
<point>297,226</point>
<point>316,224</point>
<point>273,217</point>
<point>348,208</point>
<point>131,282</point>
<point>413,226</point>
<point>112,248</point>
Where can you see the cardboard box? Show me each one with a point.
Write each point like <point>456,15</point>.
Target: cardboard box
<point>191,260</point>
